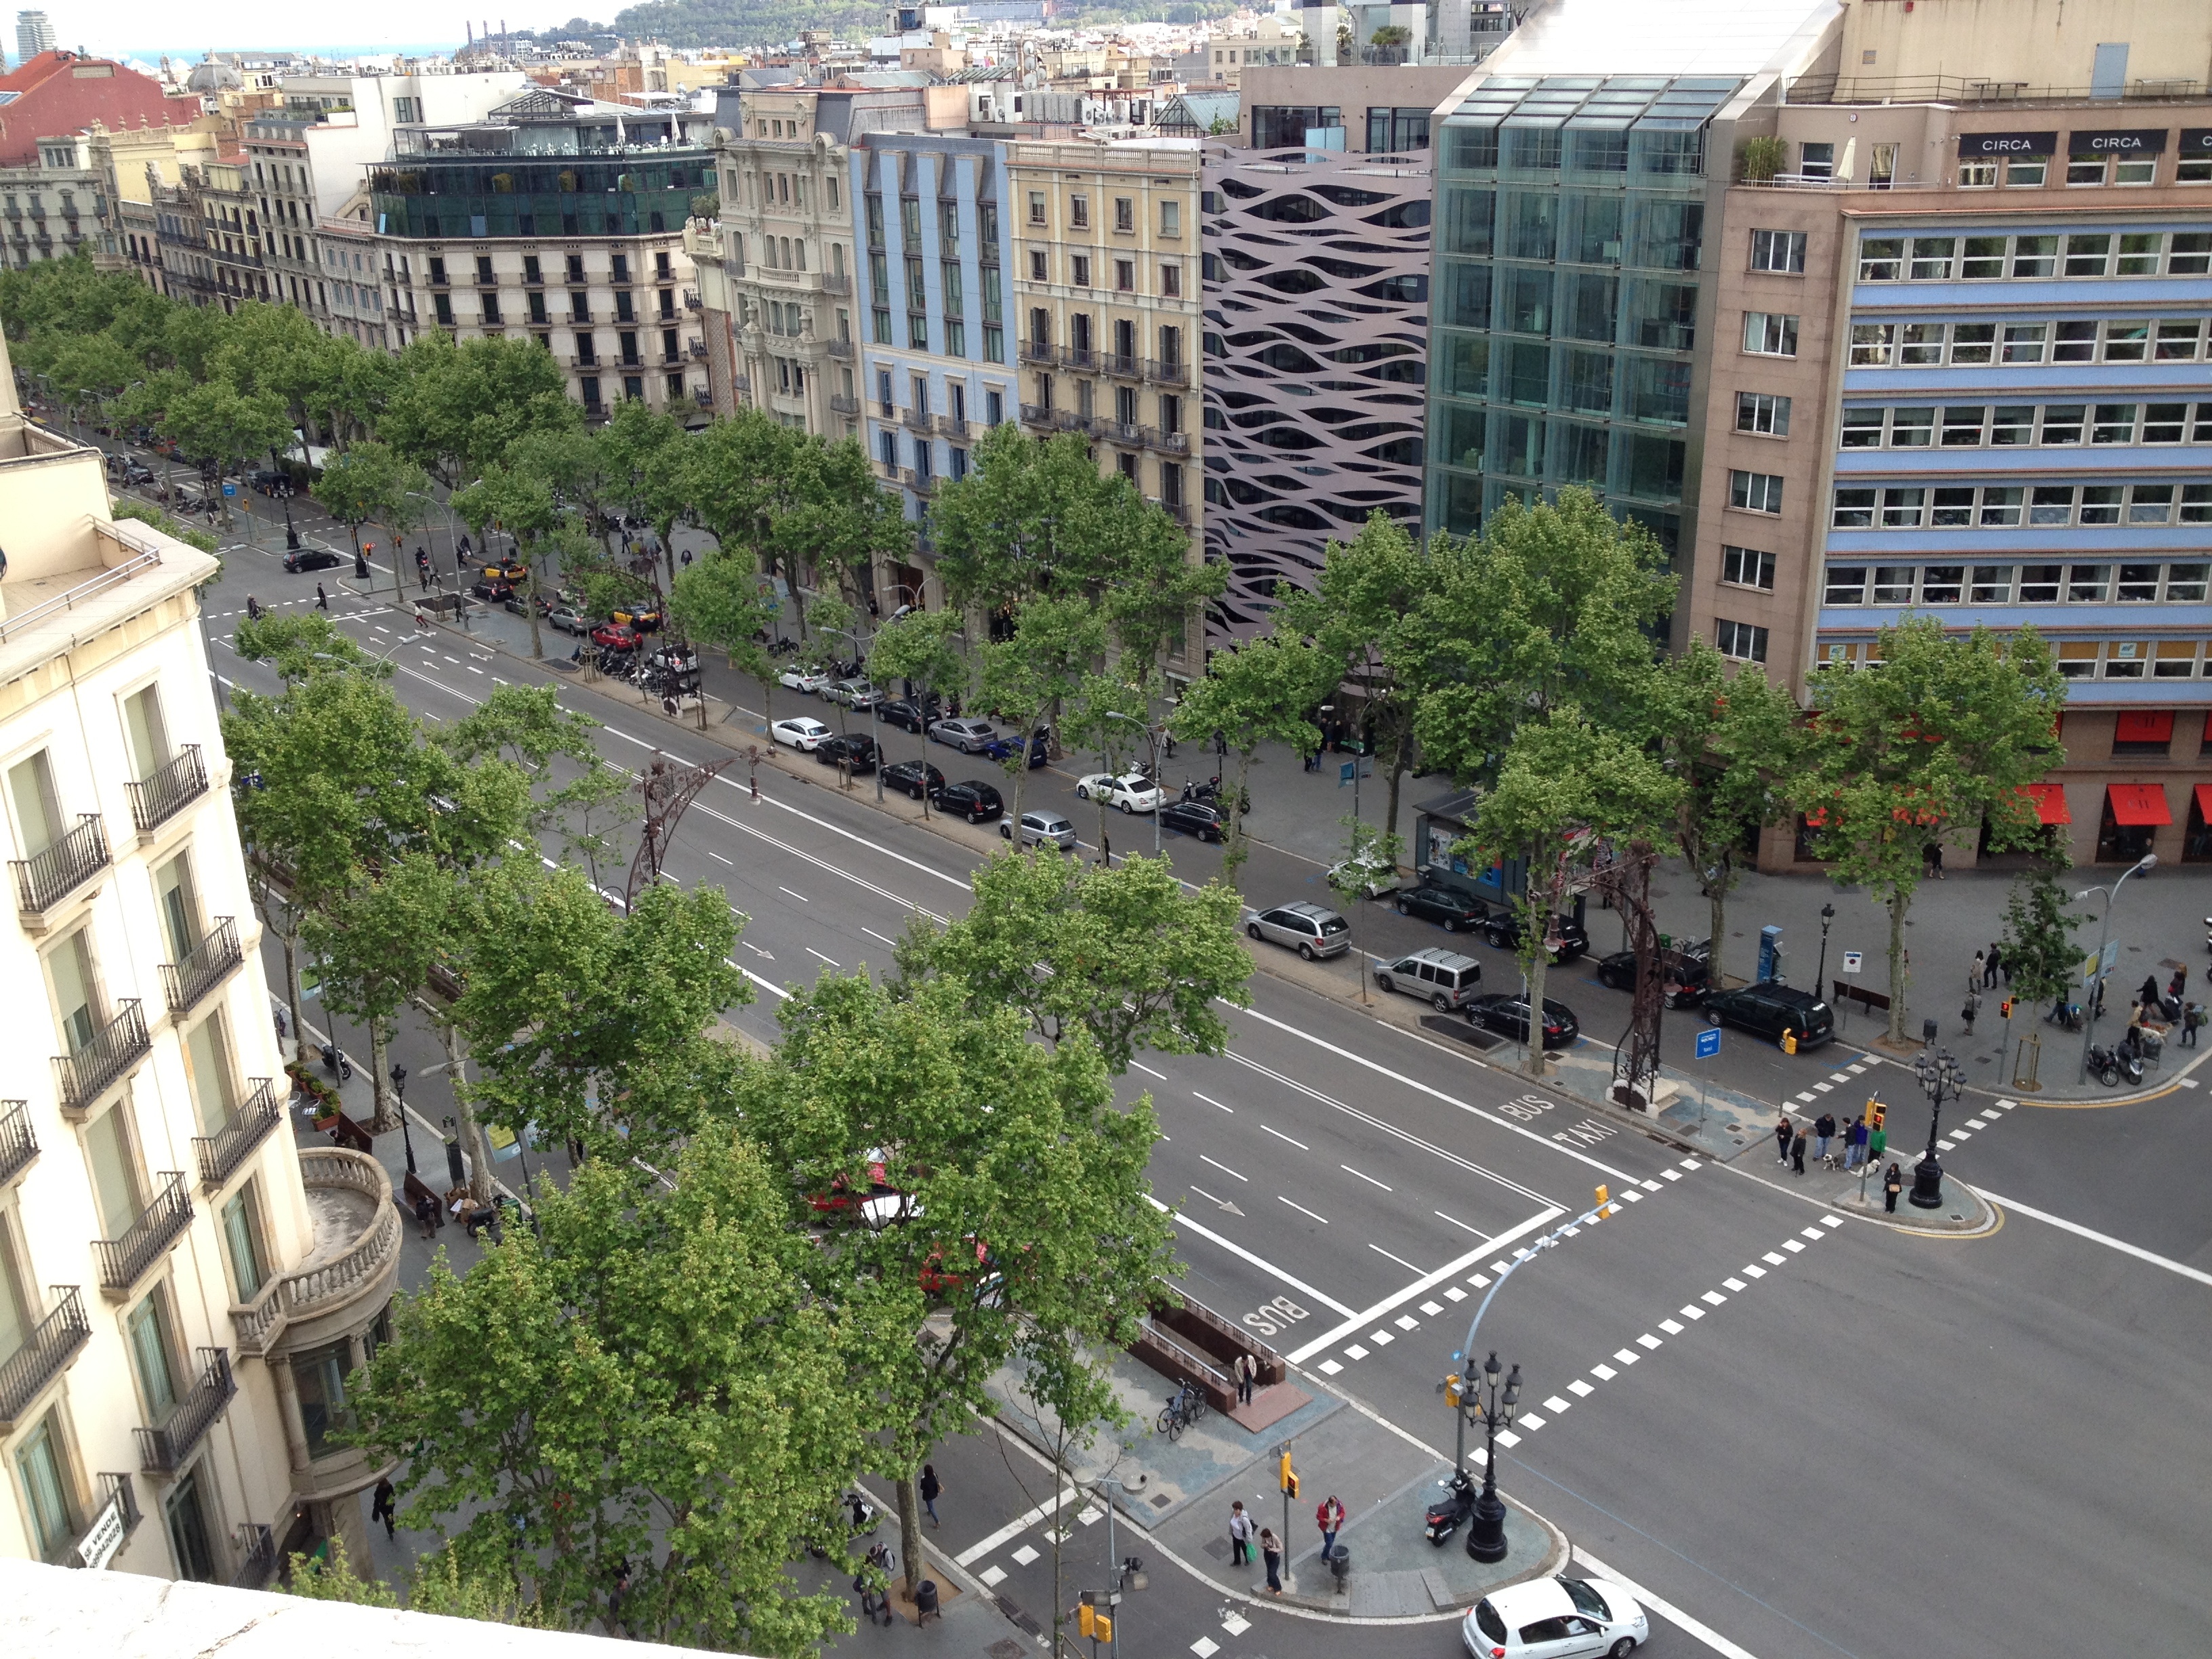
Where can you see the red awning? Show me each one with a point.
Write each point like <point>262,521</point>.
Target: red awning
<point>2146,725</point>
<point>2050,800</point>
<point>2204,802</point>
<point>2138,805</point>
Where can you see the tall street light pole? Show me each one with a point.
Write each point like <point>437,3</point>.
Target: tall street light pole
<point>1939,1079</point>
<point>1496,1406</point>
<point>2147,862</point>
<point>1821,980</point>
<point>1159,788</point>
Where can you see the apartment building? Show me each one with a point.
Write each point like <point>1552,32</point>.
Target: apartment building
<point>1316,348</point>
<point>1106,297</point>
<point>51,211</point>
<point>936,366</point>
<point>130,163</point>
<point>557,219</point>
<point>210,236</point>
<point>275,149</point>
<point>183,1289</point>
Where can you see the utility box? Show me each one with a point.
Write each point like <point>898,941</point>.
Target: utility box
<point>1770,953</point>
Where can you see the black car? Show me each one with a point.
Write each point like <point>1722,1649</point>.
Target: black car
<point>973,800</point>
<point>912,713</point>
<point>312,558</point>
<point>1506,1012</point>
<point>1194,817</point>
<point>914,777</point>
<point>1684,971</point>
<point>1771,1009</point>
<point>269,481</point>
<point>491,589</point>
<point>1503,929</point>
<point>1452,911</point>
<point>857,750</point>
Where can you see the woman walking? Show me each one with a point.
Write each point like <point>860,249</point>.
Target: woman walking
<point>1783,1132</point>
<point>1893,1183</point>
<point>1271,1552</point>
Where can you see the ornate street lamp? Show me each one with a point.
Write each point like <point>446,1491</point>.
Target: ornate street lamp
<point>1938,1072</point>
<point>1497,1407</point>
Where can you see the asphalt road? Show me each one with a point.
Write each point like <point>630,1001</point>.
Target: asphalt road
<point>1809,1439</point>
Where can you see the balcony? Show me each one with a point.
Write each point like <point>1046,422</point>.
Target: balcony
<point>919,420</point>
<point>158,798</point>
<point>703,398</point>
<point>165,1450</point>
<point>1127,367</point>
<point>1167,443</point>
<point>1179,511</point>
<point>257,1117</point>
<point>184,983</point>
<point>842,404</point>
<point>952,428</point>
<point>841,347</point>
<point>19,1147</point>
<point>742,382</point>
<point>82,1077</point>
<point>113,1523</point>
<point>1121,433</point>
<point>352,1267</point>
<point>123,1262</point>
<point>671,360</point>
<point>45,1354</point>
<point>46,878</point>
<point>1081,357</point>
<point>256,1556</point>
<point>697,349</point>
<point>691,301</point>
<point>1036,351</point>
<point>1168,372</point>
<point>922,483</point>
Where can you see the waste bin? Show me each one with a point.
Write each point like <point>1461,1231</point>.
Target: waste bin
<point>1339,1562</point>
<point>924,1600</point>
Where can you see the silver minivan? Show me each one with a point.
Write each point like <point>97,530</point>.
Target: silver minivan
<point>1311,930</point>
<point>1443,979</point>
<point>1039,830</point>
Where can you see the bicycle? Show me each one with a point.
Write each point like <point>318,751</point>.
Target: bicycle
<point>1184,1407</point>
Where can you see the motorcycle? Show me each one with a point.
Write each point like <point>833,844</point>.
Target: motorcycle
<point>861,1515</point>
<point>2109,1066</point>
<point>335,1063</point>
<point>2067,1016</point>
<point>1448,1513</point>
<point>1211,794</point>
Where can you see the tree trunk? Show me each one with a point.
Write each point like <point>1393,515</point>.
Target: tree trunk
<point>1537,924</point>
<point>292,995</point>
<point>1718,894</point>
<point>909,1513</point>
<point>1900,899</point>
<point>387,1107</point>
<point>1401,760</point>
<point>530,608</point>
<point>471,1132</point>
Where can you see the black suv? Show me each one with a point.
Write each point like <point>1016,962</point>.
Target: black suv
<point>1684,970</point>
<point>1771,1009</point>
<point>973,798</point>
<point>1503,930</point>
<point>913,714</point>
<point>856,749</point>
<point>912,777</point>
<point>1454,911</point>
<point>312,558</point>
<point>1194,817</point>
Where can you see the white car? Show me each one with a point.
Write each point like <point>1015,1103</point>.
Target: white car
<point>808,680</point>
<point>1376,878</point>
<point>805,733</point>
<point>1132,792</point>
<point>1559,1618</point>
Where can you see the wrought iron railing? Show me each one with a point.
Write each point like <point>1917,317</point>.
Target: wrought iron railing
<point>257,1555</point>
<point>201,969</point>
<point>155,800</point>
<point>83,1077</point>
<point>113,1521</point>
<point>52,1343</point>
<point>1170,371</point>
<point>1121,363</point>
<point>163,1450</point>
<point>257,1117</point>
<point>311,1290</point>
<point>19,1146</point>
<point>160,1224</point>
<point>43,879</point>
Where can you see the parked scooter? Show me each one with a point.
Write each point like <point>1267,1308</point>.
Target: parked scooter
<point>335,1063</point>
<point>1446,1514</point>
<point>2109,1066</point>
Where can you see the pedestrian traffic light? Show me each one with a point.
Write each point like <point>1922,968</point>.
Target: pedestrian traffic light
<point>1086,1616</point>
<point>1290,1478</point>
<point>1875,1112</point>
<point>1102,1626</point>
<point>2004,1008</point>
<point>1789,1043</point>
<point>1451,1390</point>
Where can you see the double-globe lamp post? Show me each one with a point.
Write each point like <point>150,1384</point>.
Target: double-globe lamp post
<point>1938,1072</point>
<point>876,697</point>
<point>1159,786</point>
<point>2141,866</point>
<point>1497,1404</point>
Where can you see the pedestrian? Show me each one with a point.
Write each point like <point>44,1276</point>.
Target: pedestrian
<point>426,1211</point>
<point>1246,1373</point>
<point>1858,1143</point>
<point>930,1488</point>
<point>283,1025</point>
<point>422,622</point>
<point>252,608</point>
<point>2147,997</point>
<point>385,1507</point>
<point>1877,1141</point>
<point>322,599</point>
<point>1782,1132</point>
<point>1797,1153</point>
<point>1240,1536</point>
<point>1932,853</point>
<point>1892,1182</point>
<point>1824,1131</point>
<point>464,548</point>
<point>687,558</point>
<point>1271,1552</point>
<point>2192,1018</point>
<point>873,1582</point>
<point>1972,1009</point>
<point>1976,973</point>
<point>1996,967</point>
<point>1329,1516</point>
<point>2177,985</point>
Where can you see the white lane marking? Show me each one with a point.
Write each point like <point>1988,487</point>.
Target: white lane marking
<point>1632,1195</point>
<point>1735,1285</point>
<point>1408,1266</point>
<point>712,854</point>
<point>1452,1293</point>
<point>1671,1175</point>
<point>961,882</point>
<point>1580,1390</point>
<point>1355,1351</point>
<point>1531,1422</point>
<point>1301,1210</point>
<point>776,990</point>
<point>1774,1261</point>
<point>1183,1222</point>
<point>1462,1225</point>
<point>473,669</point>
<point>2105,1239</point>
<point>1793,1245</point>
<point>801,897</point>
<point>1369,1179</point>
<point>1544,1141</point>
<point>1381,1338</point>
<point>615,731</point>
<point>1507,1438</point>
<point>811,951</point>
<point>1140,1066</point>
<point>1831,1221</point>
<point>1224,1168</point>
<point>1672,1327</point>
<point>1814,1234</point>
<point>1450,1269</point>
<point>1207,1197</point>
<point>1692,1310</point>
<point>1211,1102</point>
<point>1627,1356</point>
<point>1279,1135</point>
<point>1604,1373</point>
<point>1753,1270</point>
<point>1690,1627</point>
<point>1648,1340</point>
<point>1555,1404</point>
<point>872,933</point>
<point>1015,1528</point>
<point>1329,1368</point>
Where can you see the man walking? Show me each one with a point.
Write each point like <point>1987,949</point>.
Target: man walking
<point>1996,967</point>
<point>1240,1536</point>
<point>322,599</point>
<point>1329,1517</point>
<point>1824,1131</point>
<point>1245,1373</point>
<point>1782,1132</point>
<point>931,1487</point>
<point>385,1507</point>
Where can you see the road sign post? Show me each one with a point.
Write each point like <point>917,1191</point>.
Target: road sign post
<point>1709,1044</point>
<point>1854,964</point>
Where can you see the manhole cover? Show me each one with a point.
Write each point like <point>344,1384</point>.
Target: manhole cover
<point>1006,1648</point>
<point>1218,1548</point>
<point>1161,1500</point>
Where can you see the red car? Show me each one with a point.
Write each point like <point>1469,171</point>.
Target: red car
<point>937,1279</point>
<point>613,636</point>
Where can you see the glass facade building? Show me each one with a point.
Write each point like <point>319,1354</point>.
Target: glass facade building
<point>1570,239</point>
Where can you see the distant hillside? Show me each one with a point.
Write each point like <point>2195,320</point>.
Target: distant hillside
<point>683,23</point>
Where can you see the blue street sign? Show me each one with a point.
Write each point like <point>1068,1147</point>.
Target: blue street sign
<point>230,490</point>
<point>1343,772</point>
<point>1709,1044</point>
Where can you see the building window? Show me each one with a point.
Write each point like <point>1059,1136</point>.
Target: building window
<point>955,338</point>
<point>1782,252</point>
<point>1078,210</point>
<point>1762,412</point>
<point>1170,281</point>
<point>1125,212</point>
<point>887,449</point>
<point>1740,641</point>
<point>590,387</point>
<point>1079,269</point>
<point>1770,334</point>
<point>1125,276</point>
<point>319,1376</point>
<point>242,1244</point>
<point>42,1465</point>
<point>1755,492</point>
<point>1816,161</point>
<point>882,324</point>
<point>994,343</point>
<point>1170,218</point>
<point>1036,207</point>
<point>1744,567</point>
<point>1040,265</point>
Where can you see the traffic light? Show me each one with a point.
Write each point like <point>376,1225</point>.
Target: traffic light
<point>1789,1043</point>
<point>1876,1113</point>
<point>1290,1478</point>
<point>1451,1390</point>
<point>1102,1626</point>
<point>2004,1008</point>
<point>1599,1214</point>
<point>1086,1616</point>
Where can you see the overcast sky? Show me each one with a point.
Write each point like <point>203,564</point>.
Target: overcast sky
<point>145,28</point>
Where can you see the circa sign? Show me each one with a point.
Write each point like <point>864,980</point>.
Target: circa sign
<point>1977,146</point>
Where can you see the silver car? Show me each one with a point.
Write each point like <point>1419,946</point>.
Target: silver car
<point>968,736</point>
<point>1443,979</point>
<point>1039,830</point>
<point>1312,930</point>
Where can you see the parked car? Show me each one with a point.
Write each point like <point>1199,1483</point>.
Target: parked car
<point>973,800</point>
<point>491,589</point>
<point>807,680</point>
<point>519,603</point>
<point>312,558</point>
<point>1373,877</point>
<point>853,693</point>
<point>1555,1618</point>
<point>1503,929</point>
<point>856,749</point>
<point>563,615</point>
<point>269,481</point>
<point>646,619</point>
<point>1771,1008</point>
<point>1443,979</point>
<point>914,777</point>
<point>126,472</point>
<point>1683,971</point>
<point>1506,1012</point>
<point>504,570</point>
<point>613,636</point>
<point>1449,910</point>
<point>914,715</point>
<point>968,736</point>
<point>1194,817</point>
<point>1311,930</point>
<point>1039,830</point>
<point>1132,792</point>
<point>802,731</point>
